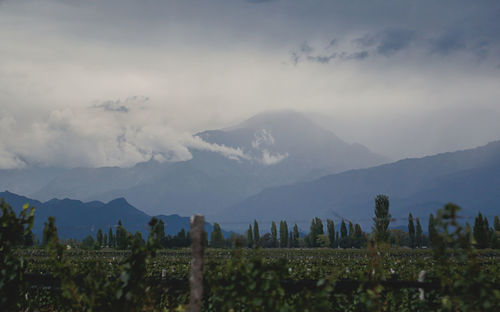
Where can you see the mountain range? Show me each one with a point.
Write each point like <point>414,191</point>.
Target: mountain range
<point>293,169</point>
<point>76,219</point>
<point>469,178</point>
<point>280,147</point>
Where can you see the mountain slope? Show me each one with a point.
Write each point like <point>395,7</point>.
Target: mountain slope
<point>470,178</point>
<point>76,219</point>
<point>280,147</point>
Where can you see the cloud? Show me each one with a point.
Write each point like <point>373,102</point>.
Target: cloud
<point>269,159</point>
<point>448,42</point>
<point>73,137</point>
<point>263,140</point>
<point>120,106</point>
<point>388,42</point>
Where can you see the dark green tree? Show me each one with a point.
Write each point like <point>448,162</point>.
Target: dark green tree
<point>419,235</point>
<point>50,232</point>
<point>496,224</point>
<point>217,239</point>
<point>99,238</point>
<point>411,231</point>
<point>330,226</point>
<point>157,231</point>
<point>358,240</point>
<point>315,230</point>
<point>274,235</point>
<point>344,237</point>
<point>88,243</point>
<point>295,243</point>
<point>122,236</point>
<point>283,234</point>
<point>105,239</point>
<point>432,229</point>
<point>256,234</point>
<point>13,286</point>
<point>382,219</point>
<point>111,239</point>
<point>250,236</point>
<point>481,232</point>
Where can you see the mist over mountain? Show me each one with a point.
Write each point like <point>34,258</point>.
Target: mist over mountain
<point>279,148</point>
<point>470,178</point>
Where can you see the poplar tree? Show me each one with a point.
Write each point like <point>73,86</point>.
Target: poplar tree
<point>121,236</point>
<point>481,231</point>
<point>250,236</point>
<point>295,236</point>
<point>283,234</point>
<point>50,231</point>
<point>99,238</point>
<point>316,229</point>
<point>411,231</point>
<point>382,219</point>
<point>419,236</point>
<point>343,235</point>
<point>274,235</point>
<point>217,239</point>
<point>350,240</point>
<point>256,235</point>
<point>358,237</point>
<point>432,229</point>
<point>331,232</point>
<point>111,238</point>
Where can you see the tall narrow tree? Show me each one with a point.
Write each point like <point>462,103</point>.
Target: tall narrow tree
<point>295,236</point>
<point>382,218</point>
<point>432,229</point>
<point>331,232</point>
<point>274,235</point>
<point>217,239</point>
<point>343,235</point>
<point>283,234</point>
<point>99,238</point>
<point>50,232</point>
<point>256,234</point>
<point>358,238</point>
<point>250,236</point>
<point>111,238</point>
<point>419,235</point>
<point>411,231</point>
<point>481,231</point>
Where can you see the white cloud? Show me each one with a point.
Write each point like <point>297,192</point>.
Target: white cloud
<point>73,137</point>
<point>270,159</point>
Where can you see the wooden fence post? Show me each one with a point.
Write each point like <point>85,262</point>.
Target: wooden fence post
<point>196,275</point>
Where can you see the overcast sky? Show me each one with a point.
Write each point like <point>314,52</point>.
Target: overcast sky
<point>114,82</point>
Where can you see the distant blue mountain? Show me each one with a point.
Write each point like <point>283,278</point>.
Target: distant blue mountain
<point>470,178</point>
<point>76,219</point>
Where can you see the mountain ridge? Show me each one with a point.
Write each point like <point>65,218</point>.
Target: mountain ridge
<point>428,182</point>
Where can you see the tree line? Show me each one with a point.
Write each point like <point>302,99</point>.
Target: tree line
<point>343,235</point>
